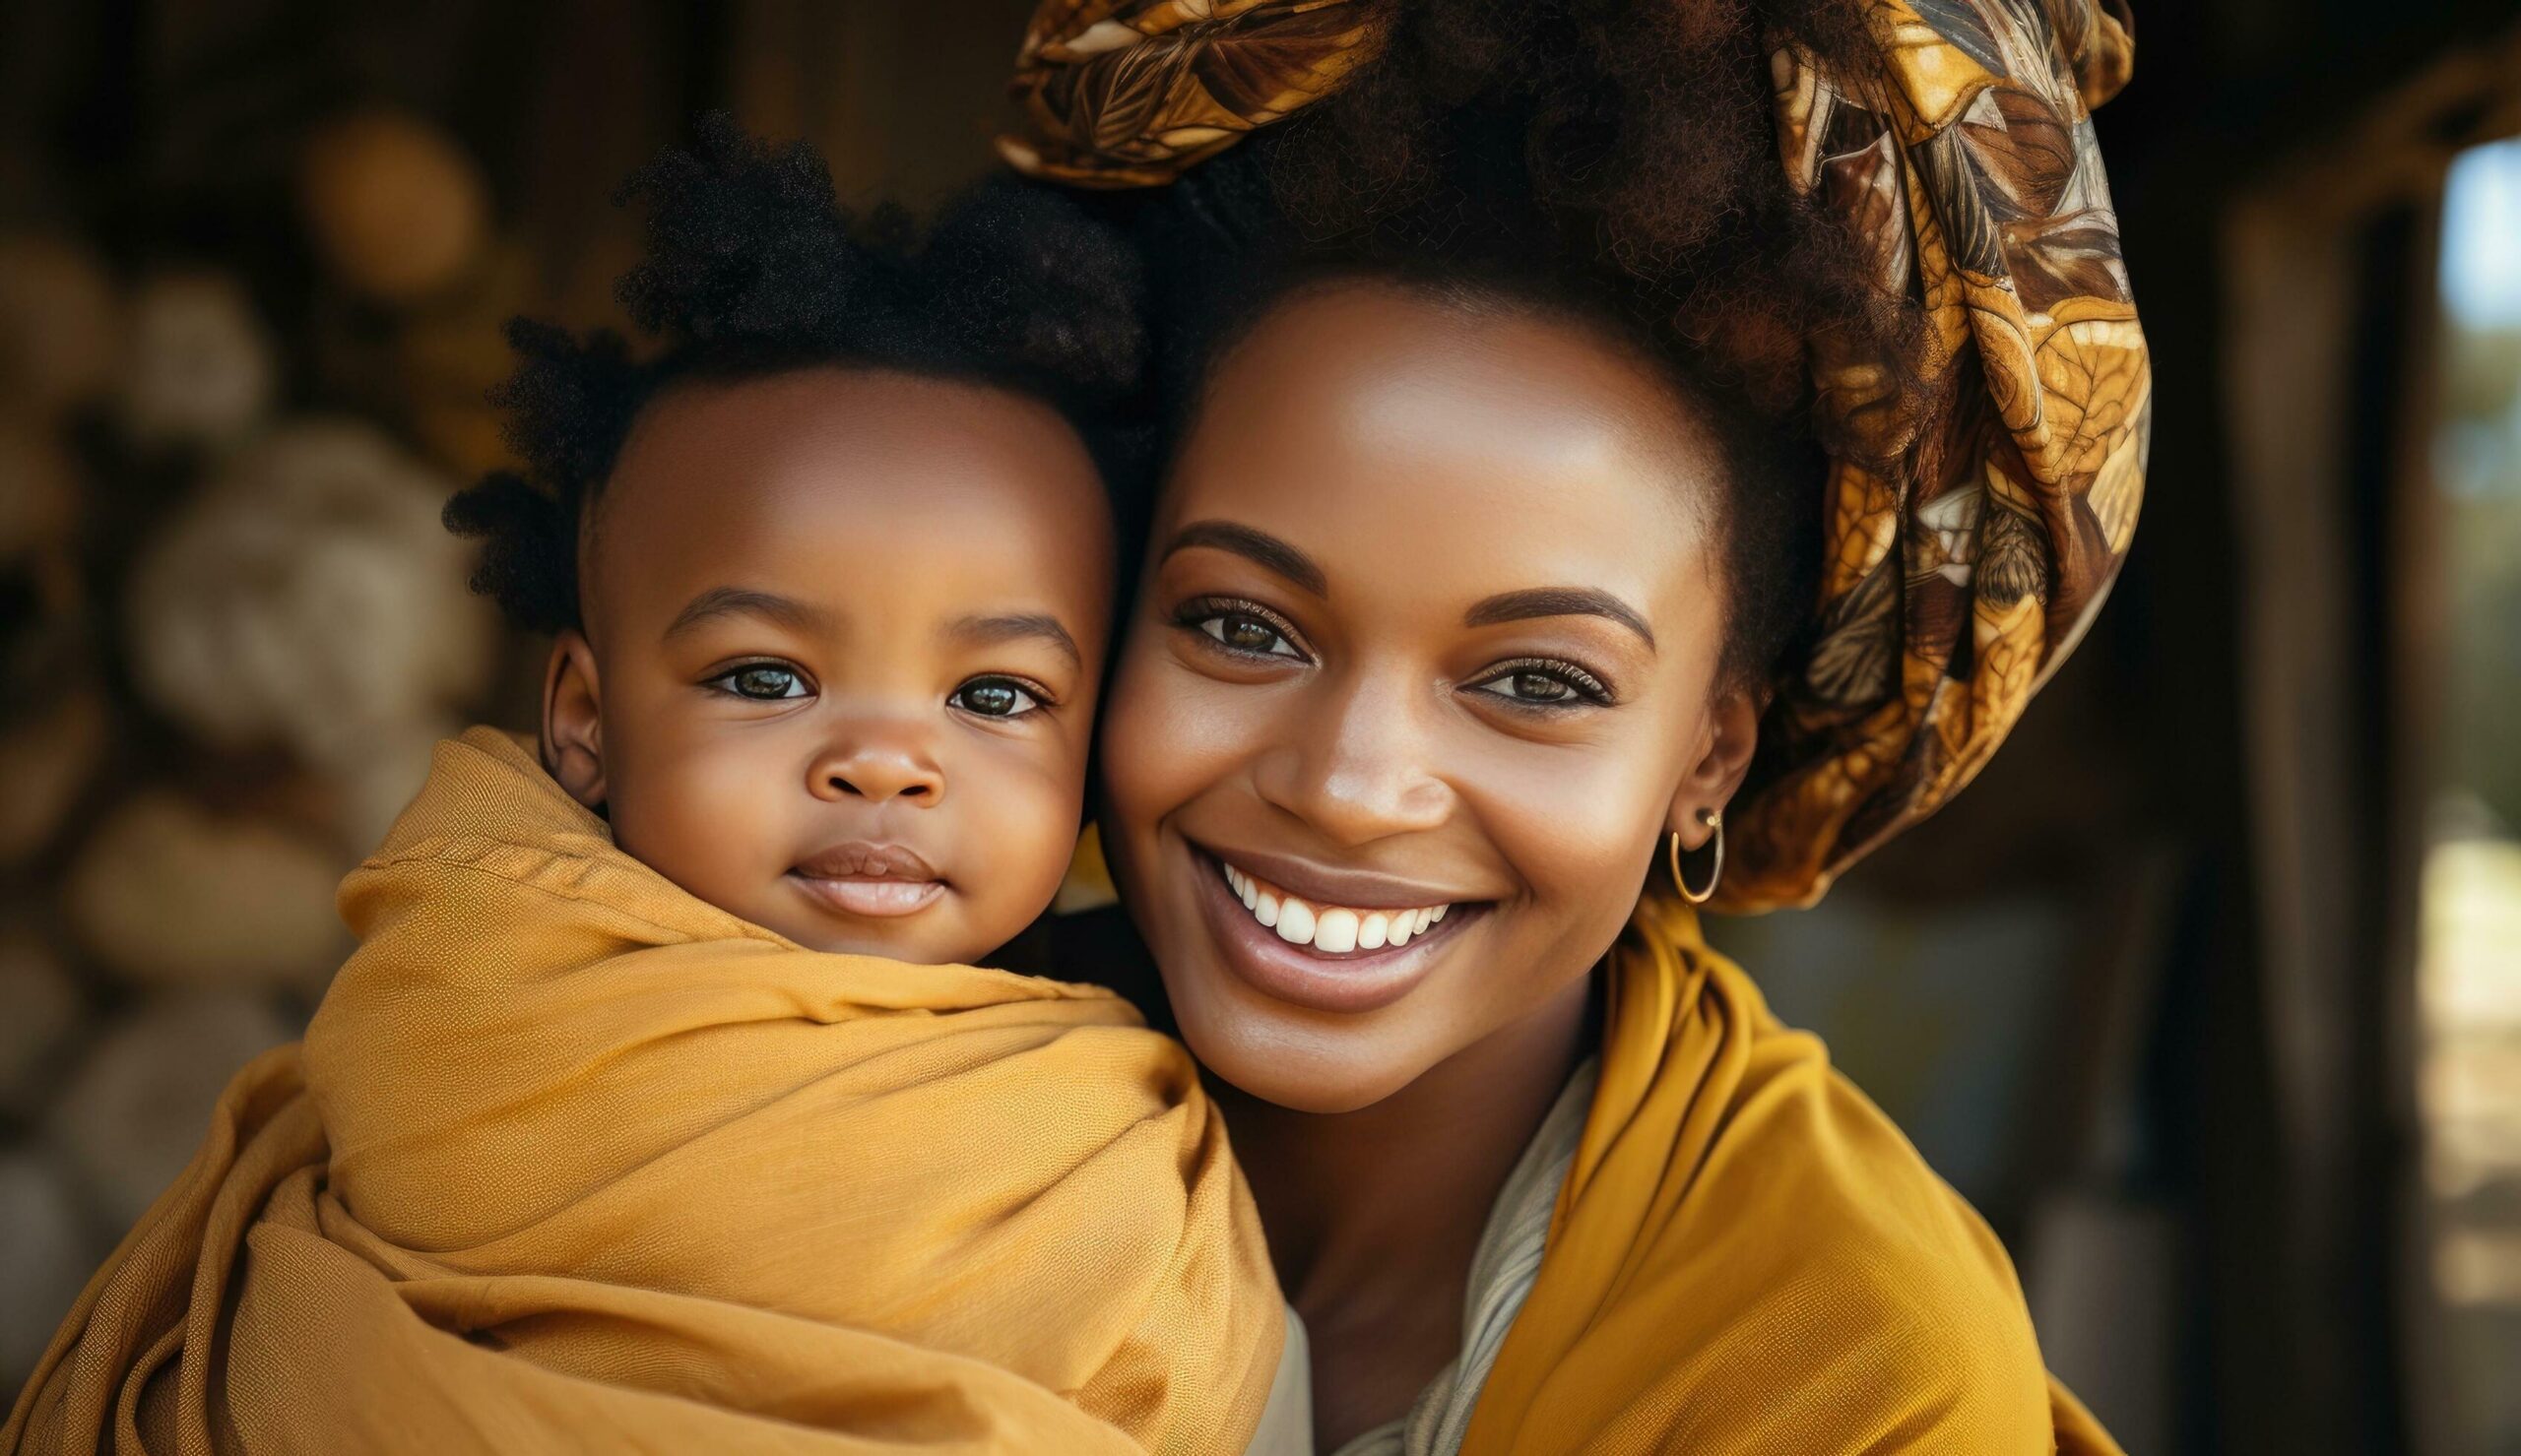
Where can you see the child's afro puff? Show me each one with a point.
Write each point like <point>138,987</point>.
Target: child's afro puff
<point>753,267</point>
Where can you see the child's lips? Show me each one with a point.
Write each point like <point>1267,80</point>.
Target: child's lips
<point>874,898</point>
<point>878,881</point>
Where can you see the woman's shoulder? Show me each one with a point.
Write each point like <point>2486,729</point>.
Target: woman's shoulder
<point>1802,1142</point>
<point>1824,1247</point>
<point>1752,1257</point>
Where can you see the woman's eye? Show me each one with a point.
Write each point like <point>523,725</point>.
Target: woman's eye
<point>995,697</point>
<point>764,681</point>
<point>1244,633</point>
<point>1533,687</point>
<point>1550,686</point>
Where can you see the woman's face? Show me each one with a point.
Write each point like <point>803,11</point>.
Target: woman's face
<point>1425,667</point>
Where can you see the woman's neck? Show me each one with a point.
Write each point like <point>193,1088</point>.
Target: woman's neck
<point>1373,1216</point>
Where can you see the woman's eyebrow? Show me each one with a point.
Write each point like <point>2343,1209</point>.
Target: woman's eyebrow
<point>724,602</point>
<point>1258,546</point>
<point>1556,601</point>
<point>988,631</point>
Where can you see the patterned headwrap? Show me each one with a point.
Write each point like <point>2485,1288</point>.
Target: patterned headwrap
<point>1957,577</point>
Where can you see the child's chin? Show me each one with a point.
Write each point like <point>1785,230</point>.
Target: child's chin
<point>892,946</point>
<point>925,939</point>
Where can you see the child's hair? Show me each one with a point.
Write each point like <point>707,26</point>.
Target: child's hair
<point>753,269</point>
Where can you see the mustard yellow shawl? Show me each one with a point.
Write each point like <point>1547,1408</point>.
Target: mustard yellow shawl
<point>571,1160</point>
<point>1747,1257</point>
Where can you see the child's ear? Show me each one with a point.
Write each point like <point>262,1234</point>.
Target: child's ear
<point>1734,730</point>
<point>573,720</point>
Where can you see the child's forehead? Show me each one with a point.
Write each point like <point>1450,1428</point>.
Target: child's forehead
<point>854,428</point>
<point>848,482</point>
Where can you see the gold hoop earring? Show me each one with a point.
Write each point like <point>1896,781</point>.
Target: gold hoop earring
<point>1715,820</point>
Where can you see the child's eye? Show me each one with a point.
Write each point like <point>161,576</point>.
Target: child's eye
<point>1241,627</point>
<point>995,697</point>
<point>1542,683</point>
<point>762,682</point>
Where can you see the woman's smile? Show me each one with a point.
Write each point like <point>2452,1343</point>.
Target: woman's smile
<point>1356,942</point>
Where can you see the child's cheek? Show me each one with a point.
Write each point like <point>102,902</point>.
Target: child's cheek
<point>1020,839</point>
<point>714,812</point>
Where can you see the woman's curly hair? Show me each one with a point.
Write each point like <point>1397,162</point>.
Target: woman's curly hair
<point>1612,159</point>
<point>752,268</point>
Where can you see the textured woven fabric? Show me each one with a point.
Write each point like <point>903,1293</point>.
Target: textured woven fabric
<point>1988,488</point>
<point>571,1160</point>
<point>1127,92</point>
<point>1746,1256</point>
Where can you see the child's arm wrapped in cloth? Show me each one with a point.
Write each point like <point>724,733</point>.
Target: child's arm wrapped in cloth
<point>571,1160</point>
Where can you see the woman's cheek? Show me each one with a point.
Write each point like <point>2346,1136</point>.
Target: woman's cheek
<point>1168,734</point>
<point>1577,829</point>
<point>1562,812</point>
<point>1130,757</point>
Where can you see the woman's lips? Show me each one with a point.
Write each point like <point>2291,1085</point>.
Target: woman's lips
<point>1316,954</point>
<point>1332,930</point>
<point>875,882</point>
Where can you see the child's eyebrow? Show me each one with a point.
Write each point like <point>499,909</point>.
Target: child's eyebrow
<point>986,631</point>
<point>720,601</point>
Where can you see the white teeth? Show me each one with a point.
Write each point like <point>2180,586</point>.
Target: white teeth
<point>1330,928</point>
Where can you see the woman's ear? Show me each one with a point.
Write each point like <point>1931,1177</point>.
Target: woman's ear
<point>1707,784</point>
<point>573,719</point>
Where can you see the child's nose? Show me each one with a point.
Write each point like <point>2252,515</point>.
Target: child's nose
<point>878,765</point>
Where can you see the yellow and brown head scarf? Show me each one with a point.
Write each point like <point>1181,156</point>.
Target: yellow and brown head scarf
<point>1957,577</point>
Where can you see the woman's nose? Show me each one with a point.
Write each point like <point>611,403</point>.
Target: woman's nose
<point>880,764</point>
<point>1359,768</point>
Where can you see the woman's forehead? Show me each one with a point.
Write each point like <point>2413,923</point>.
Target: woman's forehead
<point>1375,424</point>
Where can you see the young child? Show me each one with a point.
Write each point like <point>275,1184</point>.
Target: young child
<point>661,1107</point>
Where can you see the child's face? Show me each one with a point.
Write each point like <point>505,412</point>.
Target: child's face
<point>844,630</point>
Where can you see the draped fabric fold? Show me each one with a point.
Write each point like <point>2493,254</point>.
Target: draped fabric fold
<point>570,1160</point>
<point>1986,490</point>
<point>1981,494</point>
<point>1735,1205</point>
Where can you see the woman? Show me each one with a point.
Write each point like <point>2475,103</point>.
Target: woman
<point>1470,598</point>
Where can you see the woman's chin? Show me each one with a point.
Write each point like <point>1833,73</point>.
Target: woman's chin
<point>1299,1085</point>
<point>1286,1057</point>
